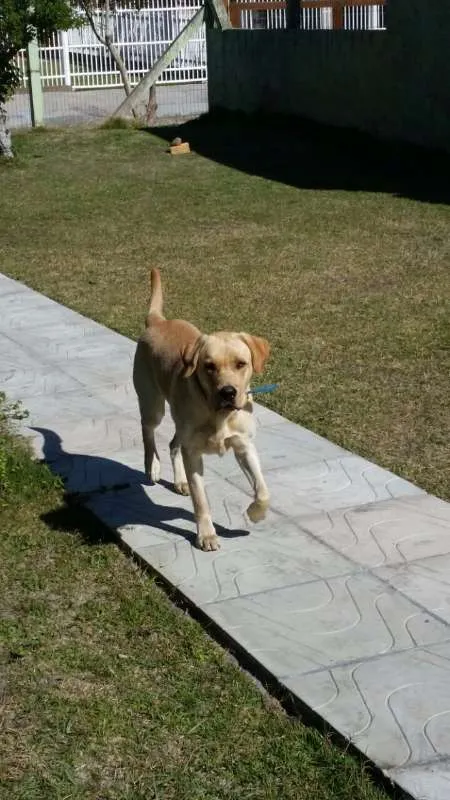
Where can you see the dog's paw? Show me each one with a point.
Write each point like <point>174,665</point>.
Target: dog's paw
<point>208,543</point>
<point>208,539</point>
<point>257,510</point>
<point>182,487</point>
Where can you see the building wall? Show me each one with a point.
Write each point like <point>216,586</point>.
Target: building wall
<point>393,83</point>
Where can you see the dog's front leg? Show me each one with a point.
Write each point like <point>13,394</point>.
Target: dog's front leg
<point>248,460</point>
<point>206,536</point>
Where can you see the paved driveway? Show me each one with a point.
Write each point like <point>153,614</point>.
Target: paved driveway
<point>63,107</point>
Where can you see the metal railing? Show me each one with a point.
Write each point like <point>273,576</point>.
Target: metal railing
<point>353,15</point>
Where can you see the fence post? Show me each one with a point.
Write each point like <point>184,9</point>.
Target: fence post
<point>36,96</point>
<point>65,57</point>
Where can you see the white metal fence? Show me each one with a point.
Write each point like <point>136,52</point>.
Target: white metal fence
<point>77,59</point>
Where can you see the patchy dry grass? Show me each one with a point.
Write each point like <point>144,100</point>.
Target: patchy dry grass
<point>349,284</point>
<point>109,692</point>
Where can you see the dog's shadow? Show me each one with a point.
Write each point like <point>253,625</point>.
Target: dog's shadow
<point>87,476</point>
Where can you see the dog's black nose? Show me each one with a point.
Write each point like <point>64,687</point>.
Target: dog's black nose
<point>228,393</point>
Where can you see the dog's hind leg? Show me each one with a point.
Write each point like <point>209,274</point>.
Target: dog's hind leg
<point>151,458</point>
<point>152,407</point>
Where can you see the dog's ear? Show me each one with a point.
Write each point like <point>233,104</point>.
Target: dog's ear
<point>259,348</point>
<point>189,356</point>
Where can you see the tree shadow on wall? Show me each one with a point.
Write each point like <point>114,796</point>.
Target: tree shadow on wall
<point>309,155</point>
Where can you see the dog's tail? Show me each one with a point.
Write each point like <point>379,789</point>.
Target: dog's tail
<point>156,302</point>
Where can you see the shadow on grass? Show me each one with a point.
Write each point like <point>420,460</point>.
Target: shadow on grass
<point>308,155</point>
<point>96,476</point>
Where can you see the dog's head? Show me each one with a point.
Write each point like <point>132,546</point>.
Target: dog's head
<point>224,363</point>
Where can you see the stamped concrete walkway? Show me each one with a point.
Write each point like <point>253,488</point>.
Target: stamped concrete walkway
<point>342,594</point>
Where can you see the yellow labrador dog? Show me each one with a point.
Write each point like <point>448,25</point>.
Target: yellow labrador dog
<point>205,380</point>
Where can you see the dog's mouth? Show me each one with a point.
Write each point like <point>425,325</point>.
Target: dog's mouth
<point>227,405</point>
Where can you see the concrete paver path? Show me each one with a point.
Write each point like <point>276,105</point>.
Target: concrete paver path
<point>342,593</point>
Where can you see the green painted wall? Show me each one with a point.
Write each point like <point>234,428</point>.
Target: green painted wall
<point>393,83</point>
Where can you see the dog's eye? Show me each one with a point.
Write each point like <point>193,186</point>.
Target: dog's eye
<point>240,364</point>
<point>210,366</point>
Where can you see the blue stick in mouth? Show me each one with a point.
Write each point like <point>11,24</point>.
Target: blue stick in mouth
<point>265,389</point>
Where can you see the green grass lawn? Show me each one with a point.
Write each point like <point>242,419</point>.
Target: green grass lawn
<point>350,285</point>
<point>109,692</point>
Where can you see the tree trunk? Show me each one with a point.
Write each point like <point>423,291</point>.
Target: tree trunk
<point>152,107</point>
<point>5,134</point>
<point>120,65</point>
<point>105,38</point>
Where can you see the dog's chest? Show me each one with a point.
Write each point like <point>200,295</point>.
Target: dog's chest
<point>213,442</point>
<point>217,440</point>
